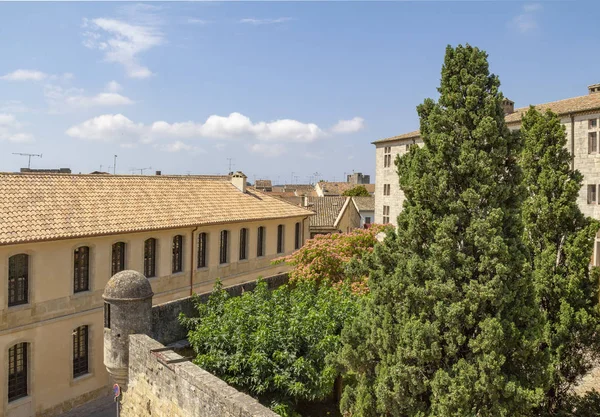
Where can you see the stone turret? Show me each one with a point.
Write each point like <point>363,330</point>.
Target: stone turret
<point>127,310</point>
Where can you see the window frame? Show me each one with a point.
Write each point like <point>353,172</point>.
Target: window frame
<point>260,241</point>
<point>591,194</point>
<point>280,238</point>
<point>81,354</point>
<point>18,378</point>
<point>81,269</point>
<point>593,123</point>
<point>177,254</point>
<point>297,234</point>
<point>20,284</point>
<point>201,262</point>
<point>121,259</point>
<point>150,257</point>
<point>243,255</point>
<point>592,142</point>
<point>224,247</point>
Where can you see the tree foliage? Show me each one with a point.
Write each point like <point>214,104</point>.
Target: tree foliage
<point>560,239</point>
<point>328,258</point>
<point>279,345</point>
<point>358,191</point>
<point>451,327</point>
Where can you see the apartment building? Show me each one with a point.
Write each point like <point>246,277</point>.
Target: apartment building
<point>63,236</point>
<point>581,118</point>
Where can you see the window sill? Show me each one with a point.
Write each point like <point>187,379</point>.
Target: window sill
<point>224,265</point>
<point>243,261</point>
<point>175,274</point>
<point>20,307</point>
<point>202,269</point>
<point>152,278</point>
<point>19,402</point>
<point>81,378</point>
<point>79,294</point>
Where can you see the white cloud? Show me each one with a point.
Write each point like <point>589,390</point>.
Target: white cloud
<point>527,20</point>
<point>108,128</point>
<point>267,149</point>
<point>122,42</point>
<point>24,75</point>
<point>13,106</point>
<point>62,99</point>
<point>195,21</point>
<point>113,87</point>
<point>10,130</point>
<point>178,146</point>
<point>102,99</point>
<point>349,126</point>
<point>257,22</point>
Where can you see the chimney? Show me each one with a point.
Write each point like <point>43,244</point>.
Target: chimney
<point>158,173</point>
<point>238,179</point>
<point>594,88</point>
<point>304,200</point>
<point>508,106</point>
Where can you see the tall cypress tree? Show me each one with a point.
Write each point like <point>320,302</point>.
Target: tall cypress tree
<point>560,239</point>
<point>452,327</point>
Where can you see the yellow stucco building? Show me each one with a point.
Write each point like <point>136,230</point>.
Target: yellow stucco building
<point>63,236</point>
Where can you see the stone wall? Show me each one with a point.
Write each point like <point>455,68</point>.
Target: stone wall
<point>164,384</point>
<point>165,323</point>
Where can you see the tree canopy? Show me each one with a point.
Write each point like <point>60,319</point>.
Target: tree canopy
<point>358,191</point>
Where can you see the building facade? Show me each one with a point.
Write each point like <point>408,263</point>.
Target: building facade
<point>64,236</point>
<point>579,115</point>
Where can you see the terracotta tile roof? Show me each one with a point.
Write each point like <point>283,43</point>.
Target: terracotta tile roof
<point>561,107</point>
<point>364,203</point>
<point>38,207</point>
<point>327,210</point>
<point>338,188</point>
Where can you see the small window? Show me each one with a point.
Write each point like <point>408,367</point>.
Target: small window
<point>81,269</point>
<point>260,243</point>
<point>386,189</point>
<point>17,372</point>
<point>367,220</point>
<point>407,147</point>
<point>224,247</point>
<point>297,236</point>
<point>202,240</point>
<point>177,254</point>
<point>386,214</point>
<point>280,237</point>
<point>80,351</point>
<point>591,194</point>
<point>106,315</point>
<point>592,123</point>
<point>18,279</point>
<point>118,257</point>
<point>592,142</point>
<point>150,258</point>
<point>243,244</point>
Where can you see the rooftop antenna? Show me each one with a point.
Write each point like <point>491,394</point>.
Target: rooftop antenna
<point>317,174</point>
<point>292,178</point>
<point>230,164</point>
<point>101,167</point>
<point>28,155</point>
<point>140,169</point>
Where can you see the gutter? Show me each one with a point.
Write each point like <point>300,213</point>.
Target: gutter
<point>192,262</point>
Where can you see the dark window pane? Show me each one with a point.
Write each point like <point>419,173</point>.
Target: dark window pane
<point>260,248</point>
<point>177,254</point>
<point>17,371</point>
<point>118,257</point>
<point>80,351</point>
<point>18,279</point>
<point>224,246</point>
<point>297,239</point>
<point>81,269</point>
<point>280,238</point>
<point>107,315</point>
<point>150,258</point>
<point>243,243</point>
<point>202,250</point>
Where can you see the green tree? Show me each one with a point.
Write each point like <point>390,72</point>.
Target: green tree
<point>279,346</point>
<point>451,327</point>
<point>358,191</point>
<point>560,239</point>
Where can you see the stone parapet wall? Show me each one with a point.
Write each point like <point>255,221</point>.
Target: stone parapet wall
<point>163,384</point>
<point>165,317</point>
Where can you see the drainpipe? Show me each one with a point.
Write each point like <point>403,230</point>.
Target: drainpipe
<point>192,262</point>
<point>572,142</point>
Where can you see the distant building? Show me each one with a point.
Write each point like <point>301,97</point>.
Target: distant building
<point>332,215</point>
<point>263,185</point>
<point>62,238</point>
<point>324,188</point>
<point>47,171</point>
<point>358,178</point>
<point>366,209</point>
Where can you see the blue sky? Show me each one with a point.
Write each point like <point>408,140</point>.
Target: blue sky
<point>283,88</point>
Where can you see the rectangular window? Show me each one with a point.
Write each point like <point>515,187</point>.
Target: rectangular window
<point>592,123</point>
<point>592,142</point>
<point>177,254</point>
<point>224,247</point>
<point>243,244</point>
<point>591,194</point>
<point>80,351</point>
<point>202,250</point>
<point>260,242</point>
<point>118,257</point>
<point>81,269</point>
<point>297,236</point>
<point>387,189</point>
<point>367,220</point>
<point>387,158</point>
<point>280,237</point>
<point>386,214</point>
<point>17,372</point>
<point>150,258</point>
<point>107,315</point>
<point>18,279</point>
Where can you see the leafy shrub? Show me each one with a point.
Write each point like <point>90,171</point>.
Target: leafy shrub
<point>328,257</point>
<point>358,191</point>
<point>279,346</point>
